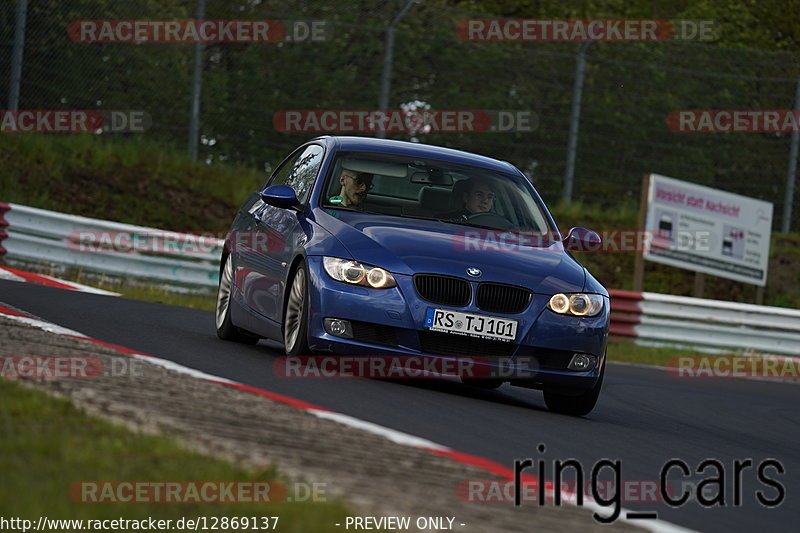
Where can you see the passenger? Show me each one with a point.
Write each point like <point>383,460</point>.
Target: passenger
<point>477,197</point>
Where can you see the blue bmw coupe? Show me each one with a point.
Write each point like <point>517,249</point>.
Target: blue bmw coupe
<point>371,247</point>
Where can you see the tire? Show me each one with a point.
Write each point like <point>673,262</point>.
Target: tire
<point>295,315</point>
<point>222,316</point>
<point>576,405</point>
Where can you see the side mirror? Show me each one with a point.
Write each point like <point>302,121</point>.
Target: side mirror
<point>281,196</point>
<point>582,240</point>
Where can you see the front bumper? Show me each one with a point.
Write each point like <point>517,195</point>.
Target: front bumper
<point>388,322</point>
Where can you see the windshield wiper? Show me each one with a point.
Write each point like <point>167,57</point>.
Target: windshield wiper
<point>455,221</point>
<point>424,218</point>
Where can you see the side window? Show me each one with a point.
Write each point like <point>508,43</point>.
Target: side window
<point>300,171</point>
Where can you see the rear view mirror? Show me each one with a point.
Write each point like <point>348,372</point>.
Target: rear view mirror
<point>369,166</point>
<point>431,176</point>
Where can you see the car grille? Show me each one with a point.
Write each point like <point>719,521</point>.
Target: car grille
<point>374,333</point>
<point>497,298</point>
<point>443,290</point>
<point>435,342</point>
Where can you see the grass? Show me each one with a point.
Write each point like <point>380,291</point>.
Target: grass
<point>733,363</point>
<point>148,291</point>
<point>131,180</point>
<point>627,351</point>
<point>141,181</point>
<point>204,298</point>
<point>48,444</point>
<point>206,302</point>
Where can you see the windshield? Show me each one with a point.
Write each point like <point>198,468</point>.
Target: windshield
<point>431,189</point>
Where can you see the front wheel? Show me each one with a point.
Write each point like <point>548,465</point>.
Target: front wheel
<point>575,405</point>
<point>225,328</point>
<point>295,316</point>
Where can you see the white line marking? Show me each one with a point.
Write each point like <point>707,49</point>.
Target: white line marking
<point>81,287</point>
<point>171,365</point>
<point>657,526</point>
<point>393,435</point>
<point>46,326</point>
<point>5,274</point>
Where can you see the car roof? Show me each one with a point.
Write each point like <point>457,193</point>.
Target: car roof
<point>390,146</point>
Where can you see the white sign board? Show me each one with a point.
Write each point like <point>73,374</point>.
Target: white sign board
<point>707,230</point>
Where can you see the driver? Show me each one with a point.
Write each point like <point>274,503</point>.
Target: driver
<point>477,197</point>
<point>355,186</point>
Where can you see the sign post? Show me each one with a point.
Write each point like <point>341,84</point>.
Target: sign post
<point>638,267</point>
<point>705,230</point>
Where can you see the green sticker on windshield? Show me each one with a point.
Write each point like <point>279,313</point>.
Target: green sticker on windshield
<point>336,199</point>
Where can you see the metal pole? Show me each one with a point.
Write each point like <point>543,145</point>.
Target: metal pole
<point>388,55</point>
<point>790,175</point>
<point>197,82</point>
<point>638,265</point>
<point>574,120</point>
<point>16,55</point>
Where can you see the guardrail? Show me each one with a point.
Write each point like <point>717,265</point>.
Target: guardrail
<point>32,234</point>
<point>710,325</point>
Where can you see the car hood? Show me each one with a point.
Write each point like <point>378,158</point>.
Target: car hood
<point>410,246</point>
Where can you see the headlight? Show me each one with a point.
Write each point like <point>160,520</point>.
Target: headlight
<point>356,273</point>
<point>576,304</point>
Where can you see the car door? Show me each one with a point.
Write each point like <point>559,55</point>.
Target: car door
<point>277,233</point>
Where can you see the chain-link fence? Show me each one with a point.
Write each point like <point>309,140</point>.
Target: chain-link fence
<point>629,90</point>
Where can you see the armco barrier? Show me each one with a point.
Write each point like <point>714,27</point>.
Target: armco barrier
<point>705,324</point>
<point>40,235</point>
<point>3,224</point>
<point>625,312</point>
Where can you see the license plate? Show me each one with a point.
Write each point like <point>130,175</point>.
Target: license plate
<point>481,326</point>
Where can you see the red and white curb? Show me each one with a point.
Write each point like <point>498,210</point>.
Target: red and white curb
<point>11,274</point>
<point>492,467</point>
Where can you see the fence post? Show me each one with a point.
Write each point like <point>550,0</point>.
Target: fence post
<point>574,121</point>
<point>388,56</point>
<point>638,265</point>
<point>16,55</point>
<point>197,82</point>
<point>790,175</point>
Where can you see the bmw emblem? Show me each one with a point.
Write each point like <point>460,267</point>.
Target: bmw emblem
<point>474,272</point>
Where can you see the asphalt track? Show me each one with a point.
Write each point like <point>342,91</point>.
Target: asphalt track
<point>643,419</point>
